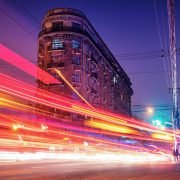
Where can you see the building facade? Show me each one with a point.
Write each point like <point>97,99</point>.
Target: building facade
<point>69,42</point>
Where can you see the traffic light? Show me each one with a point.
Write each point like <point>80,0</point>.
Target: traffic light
<point>156,122</point>
<point>159,122</point>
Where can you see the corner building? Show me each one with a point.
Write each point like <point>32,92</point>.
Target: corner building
<point>69,43</point>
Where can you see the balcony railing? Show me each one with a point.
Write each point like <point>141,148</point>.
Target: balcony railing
<point>94,75</point>
<point>54,49</point>
<point>94,60</point>
<point>93,91</point>
<point>67,29</point>
<point>52,65</point>
<point>76,67</point>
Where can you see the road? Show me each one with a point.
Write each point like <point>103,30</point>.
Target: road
<point>86,169</point>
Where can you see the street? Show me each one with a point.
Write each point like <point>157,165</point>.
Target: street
<point>83,169</point>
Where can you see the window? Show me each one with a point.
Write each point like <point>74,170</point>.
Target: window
<point>57,44</point>
<point>76,60</point>
<point>115,80</point>
<point>76,25</point>
<point>76,78</point>
<point>75,44</point>
<point>122,97</point>
<point>75,96</point>
<point>56,76</point>
<point>57,25</point>
<point>56,58</point>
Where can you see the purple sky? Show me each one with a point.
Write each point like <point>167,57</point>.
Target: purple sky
<point>126,26</point>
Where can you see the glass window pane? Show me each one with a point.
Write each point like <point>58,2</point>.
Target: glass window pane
<point>75,44</point>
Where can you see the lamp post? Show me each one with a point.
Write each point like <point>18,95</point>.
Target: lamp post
<point>150,110</point>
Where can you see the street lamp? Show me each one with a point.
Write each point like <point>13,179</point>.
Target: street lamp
<point>150,110</point>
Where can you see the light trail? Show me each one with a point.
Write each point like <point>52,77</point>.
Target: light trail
<point>54,135</point>
<point>65,80</point>
<point>67,107</point>
<point>105,157</point>
<point>118,122</point>
<point>83,109</point>
<point>140,136</point>
<point>18,61</point>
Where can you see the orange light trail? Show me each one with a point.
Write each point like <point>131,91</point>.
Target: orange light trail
<point>65,80</point>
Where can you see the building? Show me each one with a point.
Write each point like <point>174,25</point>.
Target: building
<point>69,43</point>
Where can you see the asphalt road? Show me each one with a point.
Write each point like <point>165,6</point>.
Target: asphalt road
<point>87,170</point>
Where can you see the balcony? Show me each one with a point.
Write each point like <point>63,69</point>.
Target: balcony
<point>64,11</point>
<point>63,29</point>
<point>41,53</point>
<point>93,91</point>
<point>56,49</point>
<point>94,60</point>
<point>76,84</point>
<point>77,51</point>
<point>88,58</point>
<point>55,65</point>
<point>104,71</point>
<point>94,75</point>
<point>76,67</point>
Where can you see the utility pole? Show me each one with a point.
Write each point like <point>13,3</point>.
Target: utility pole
<point>172,40</point>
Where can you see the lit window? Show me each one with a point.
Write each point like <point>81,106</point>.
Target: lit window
<point>76,78</point>
<point>75,44</point>
<point>76,60</point>
<point>57,44</point>
<point>115,80</point>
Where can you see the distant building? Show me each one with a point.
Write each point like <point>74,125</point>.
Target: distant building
<point>69,43</point>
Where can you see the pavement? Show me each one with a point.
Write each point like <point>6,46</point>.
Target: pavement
<point>87,170</point>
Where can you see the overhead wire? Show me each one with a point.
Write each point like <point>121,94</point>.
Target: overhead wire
<point>16,22</point>
<point>144,55</point>
<point>160,39</point>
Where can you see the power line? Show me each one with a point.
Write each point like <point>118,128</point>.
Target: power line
<point>16,22</point>
<point>147,72</point>
<point>144,55</point>
<point>30,14</point>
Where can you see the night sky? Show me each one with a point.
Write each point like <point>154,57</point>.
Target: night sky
<point>126,26</point>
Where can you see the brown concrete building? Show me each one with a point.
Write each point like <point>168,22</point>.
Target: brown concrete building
<point>69,43</point>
